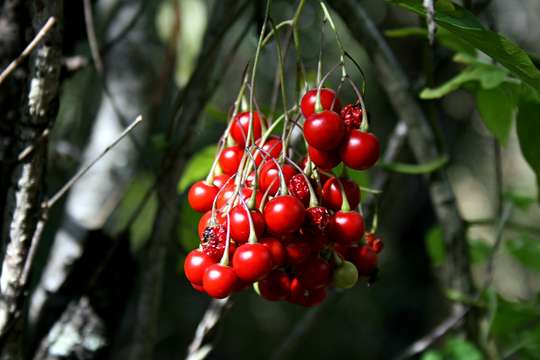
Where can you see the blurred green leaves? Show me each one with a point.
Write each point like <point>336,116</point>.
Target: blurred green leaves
<point>415,169</point>
<point>197,167</point>
<point>528,129</point>
<point>454,349</point>
<point>526,251</point>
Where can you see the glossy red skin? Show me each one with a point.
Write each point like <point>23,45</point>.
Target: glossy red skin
<point>360,150</point>
<point>298,252</point>
<point>240,127</point>
<point>275,286</point>
<point>284,214</point>
<point>365,260</point>
<point>326,160</point>
<point>203,222</point>
<point>252,262</point>
<point>195,265</point>
<point>342,249</point>
<point>199,288</point>
<point>230,159</point>
<point>228,191</point>
<point>331,193</point>
<point>240,223</point>
<point>201,196</point>
<point>220,180</point>
<point>325,130</point>
<point>271,148</point>
<point>346,227</point>
<point>302,296</point>
<point>315,274</point>
<point>307,104</point>
<point>276,249</point>
<point>269,176</point>
<point>219,281</point>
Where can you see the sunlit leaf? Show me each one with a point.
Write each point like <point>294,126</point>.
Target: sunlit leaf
<point>497,106</point>
<point>526,251</point>
<point>197,167</point>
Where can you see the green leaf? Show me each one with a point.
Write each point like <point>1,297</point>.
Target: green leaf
<point>528,129</point>
<point>432,355</point>
<point>458,349</point>
<point>415,169</point>
<point>497,107</point>
<point>526,251</point>
<point>512,316</point>
<point>445,37</point>
<point>187,227</point>
<point>197,167</point>
<point>521,201</point>
<point>435,245</point>
<point>479,250</point>
<point>466,26</point>
<point>488,75</point>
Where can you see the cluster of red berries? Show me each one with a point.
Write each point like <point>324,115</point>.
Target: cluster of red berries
<point>288,228</point>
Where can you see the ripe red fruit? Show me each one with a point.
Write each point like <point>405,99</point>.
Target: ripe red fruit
<point>230,159</point>
<point>271,148</point>
<point>195,265</point>
<point>270,179</point>
<point>276,286</point>
<point>325,130</point>
<point>220,180</point>
<point>331,193</point>
<point>199,288</point>
<point>298,252</point>
<point>352,116</point>
<point>365,260</point>
<point>214,241</point>
<point>252,262</point>
<point>360,150</point>
<point>228,191</point>
<point>201,196</point>
<point>327,96</point>
<point>326,160</point>
<point>240,223</point>
<point>205,219</point>
<point>284,214</point>
<point>317,219</point>
<point>302,296</point>
<point>240,127</point>
<point>315,274</point>
<point>346,227</point>
<point>219,281</point>
<point>298,188</point>
<point>276,249</point>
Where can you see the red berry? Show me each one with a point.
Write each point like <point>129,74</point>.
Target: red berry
<point>298,188</point>
<point>270,178</point>
<point>219,281</point>
<point>276,286</point>
<point>276,249</point>
<point>271,148</point>
<point>240,223</point>
<point>220,180</point>
<point>324,131</point>
<point>284,214</point>
<point>365,260</point>
<point>326,160</point>
<point>377,245</point>
<point>346,227</point>
<point>360,150</point>
<point>302,296</point>
<point>317,219</point>
<point>331,193</point>
<point>327,96</point>
<point>201,196</point>
<point>240,127</point>
<point>342,249</point>
<point>252,262</point>
<point>214,240</point>
<point>298,252</point>
<point>204,222</point>
<point>199,288</point>
<point>195,264</point>
<point>228,191</point>
<point>352,116</point>
<point>315,274</point>
<point>230,159</point>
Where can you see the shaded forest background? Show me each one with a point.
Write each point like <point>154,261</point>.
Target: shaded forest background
<point>99,274</point>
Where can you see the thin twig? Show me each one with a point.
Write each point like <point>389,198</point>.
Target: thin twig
<point>83,171</point>
<point>91,34</point>
<point>37,39</point>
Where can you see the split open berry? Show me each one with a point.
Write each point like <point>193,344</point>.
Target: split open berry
<point>317,219</point>
<point>298,188</point>
<point>352,116</point>
<point>214,240</point>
